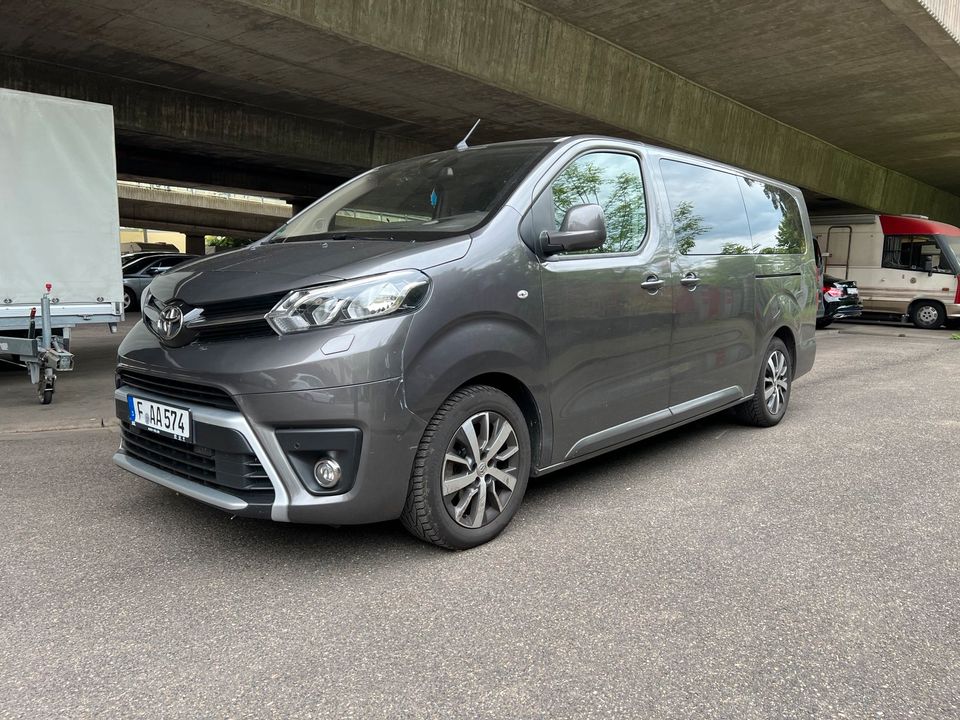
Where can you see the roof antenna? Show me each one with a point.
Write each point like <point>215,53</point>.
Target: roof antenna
<point>462,145</point>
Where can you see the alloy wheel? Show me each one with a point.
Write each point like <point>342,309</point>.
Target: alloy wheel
<point>775,382</point>
<point>480,470</point>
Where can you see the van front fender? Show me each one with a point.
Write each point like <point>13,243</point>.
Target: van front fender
<point>475,346</point>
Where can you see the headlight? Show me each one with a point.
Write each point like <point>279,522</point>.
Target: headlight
<point>347,302</point>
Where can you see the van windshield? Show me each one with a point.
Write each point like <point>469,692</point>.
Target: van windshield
<point>950,244</point>
<point>425,198</point>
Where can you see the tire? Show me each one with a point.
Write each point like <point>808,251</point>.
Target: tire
<point>486,503</point>
<point>776,373</point>
<point>824,322</point>
<point>130,302</point>
<point>927,315</point>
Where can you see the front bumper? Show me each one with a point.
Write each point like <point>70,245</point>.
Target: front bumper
<point>254,430</point>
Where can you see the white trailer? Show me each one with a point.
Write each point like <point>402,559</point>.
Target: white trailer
<point>903,265</point>
<point>59,225</point>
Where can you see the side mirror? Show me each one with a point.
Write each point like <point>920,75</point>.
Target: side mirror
<point>928,265</point>
<point>155,270</point>
<point>583,228</point>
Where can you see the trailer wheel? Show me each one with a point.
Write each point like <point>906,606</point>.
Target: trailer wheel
<point>45,387</point>
<point>927,315</point>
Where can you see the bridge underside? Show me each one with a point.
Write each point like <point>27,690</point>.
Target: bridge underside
<point>856,102</point>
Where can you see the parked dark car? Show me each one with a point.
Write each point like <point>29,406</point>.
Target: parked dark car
<point>840,299</point>
<point>138,273</point>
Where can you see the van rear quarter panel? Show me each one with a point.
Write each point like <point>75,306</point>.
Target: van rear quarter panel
<point>786,292</point>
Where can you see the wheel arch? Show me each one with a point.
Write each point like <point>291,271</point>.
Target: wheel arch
<point>517,391</point>
<point>786,335</point>
<point>926,301</point>
<point>491,349</point>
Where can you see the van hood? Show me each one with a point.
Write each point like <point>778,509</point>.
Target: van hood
<point>273,268</point>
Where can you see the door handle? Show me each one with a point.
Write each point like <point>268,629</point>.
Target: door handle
<point>690,280</point>
<point>652,284</point>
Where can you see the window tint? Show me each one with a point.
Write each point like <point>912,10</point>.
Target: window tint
<point>613,182</point>
<point>776,226</point>
<point>909,252</point>
<point>708,212</point>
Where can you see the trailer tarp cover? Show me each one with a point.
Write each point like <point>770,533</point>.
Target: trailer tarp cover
<point>58,200</point>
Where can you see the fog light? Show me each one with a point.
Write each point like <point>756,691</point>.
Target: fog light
<point>327,472</point>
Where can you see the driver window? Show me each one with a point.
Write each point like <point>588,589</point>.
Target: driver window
<point>612,181</point>
<point>910,252</point>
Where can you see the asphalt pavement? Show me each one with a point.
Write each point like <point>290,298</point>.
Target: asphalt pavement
<point>811,570</point>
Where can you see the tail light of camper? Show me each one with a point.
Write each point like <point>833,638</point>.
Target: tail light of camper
<point>956,297</point>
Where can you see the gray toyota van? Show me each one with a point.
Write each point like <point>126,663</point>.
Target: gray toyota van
<point>423,339</point>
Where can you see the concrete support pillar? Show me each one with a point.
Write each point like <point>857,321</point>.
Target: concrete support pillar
<point>196,244</point>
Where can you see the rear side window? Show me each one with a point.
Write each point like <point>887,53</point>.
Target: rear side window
<point>776,225</point>
<point>612,181</point>
<point>708,213</point>
<point>718,213</point>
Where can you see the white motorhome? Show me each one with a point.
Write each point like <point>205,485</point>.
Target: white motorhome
<point>904,265</point>
<point>59,222</point>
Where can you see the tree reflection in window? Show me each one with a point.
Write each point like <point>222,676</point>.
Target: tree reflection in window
<point>613,182</point>
<point>687,226</point>
<point>775,221</point>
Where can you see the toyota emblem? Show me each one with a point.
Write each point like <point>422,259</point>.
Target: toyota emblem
<point>169,322</point>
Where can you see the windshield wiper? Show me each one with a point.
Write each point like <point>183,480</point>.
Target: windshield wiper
<point>348,236</point>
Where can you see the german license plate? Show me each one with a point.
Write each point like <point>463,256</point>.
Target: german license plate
<point>160,418</point>
<point>853,291</point>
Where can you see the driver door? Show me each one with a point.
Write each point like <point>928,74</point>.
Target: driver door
<point>607,312</point>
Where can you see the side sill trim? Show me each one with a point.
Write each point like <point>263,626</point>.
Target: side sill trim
<point>640,425</point>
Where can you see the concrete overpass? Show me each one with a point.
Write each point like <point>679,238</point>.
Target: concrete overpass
<point>857,102</point>
<point>198,214</point>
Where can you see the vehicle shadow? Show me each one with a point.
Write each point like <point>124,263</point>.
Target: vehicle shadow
<point>264,545</point>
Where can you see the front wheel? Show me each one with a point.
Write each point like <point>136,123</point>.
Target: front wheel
<point>927,315</point>
<point>824,322</point>
<point>130,300</point>
<point>772,392</point>
<point>471,469</point>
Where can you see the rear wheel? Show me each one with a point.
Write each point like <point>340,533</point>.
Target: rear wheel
<point>470,472</point>
<point>772,392</point>
<point>927,315</point>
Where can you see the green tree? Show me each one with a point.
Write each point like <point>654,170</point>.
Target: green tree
<point>223,242</point>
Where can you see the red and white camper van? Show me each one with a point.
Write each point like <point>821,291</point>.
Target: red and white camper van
<point>904,265</point>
